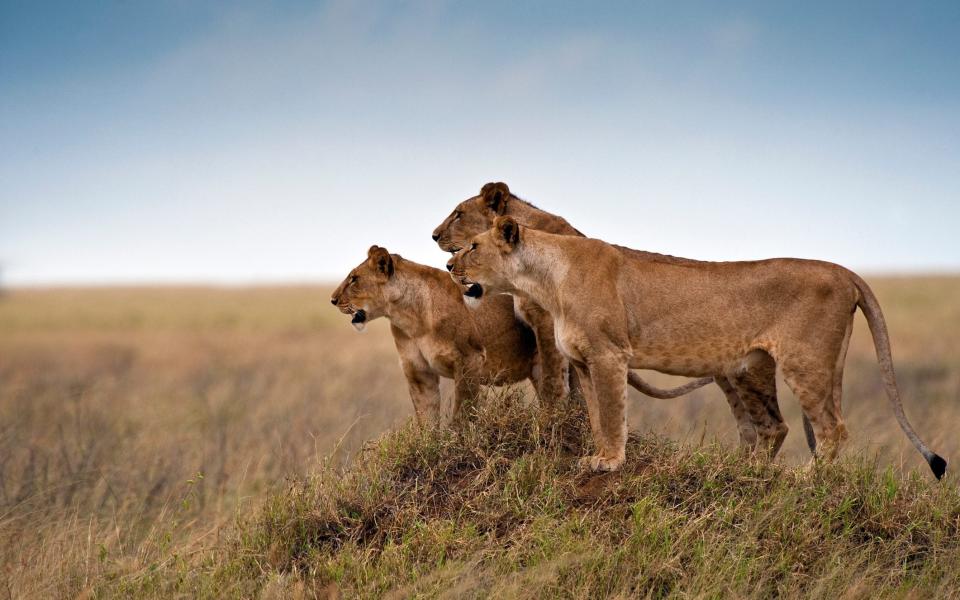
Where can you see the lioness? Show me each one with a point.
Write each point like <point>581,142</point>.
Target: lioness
<point>435,334</point>
<point>617,309</point>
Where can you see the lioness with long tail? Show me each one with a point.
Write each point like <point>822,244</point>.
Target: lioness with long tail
<point>615,310</point>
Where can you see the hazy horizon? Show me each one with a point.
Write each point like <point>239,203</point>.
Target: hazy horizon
<point>194,143</point>
<point>213,283</point>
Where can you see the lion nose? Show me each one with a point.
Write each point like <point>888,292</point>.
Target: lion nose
<point>449,266</point>
<point>436,236</point>
<point>333,301</point>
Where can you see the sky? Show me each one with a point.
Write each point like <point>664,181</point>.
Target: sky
<point>238,143</point>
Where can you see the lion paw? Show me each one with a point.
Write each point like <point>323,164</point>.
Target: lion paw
<point>598,463</point>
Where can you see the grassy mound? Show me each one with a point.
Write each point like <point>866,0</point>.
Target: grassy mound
<point>500,508</point>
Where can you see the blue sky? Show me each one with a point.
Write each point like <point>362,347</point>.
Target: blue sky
<point>237,143</point>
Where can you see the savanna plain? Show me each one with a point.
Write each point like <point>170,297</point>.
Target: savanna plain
<point>247,442</point>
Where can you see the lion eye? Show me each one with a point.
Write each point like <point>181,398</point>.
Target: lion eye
<point>457,215</point>
<point>353,279</point>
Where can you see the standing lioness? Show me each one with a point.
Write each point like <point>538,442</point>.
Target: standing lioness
<point>616,310</point>
<point>435,333</point>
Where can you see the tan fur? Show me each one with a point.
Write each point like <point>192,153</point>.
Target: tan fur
<point>617,309</point>
<point>435,334</point>
<point>476,215</point>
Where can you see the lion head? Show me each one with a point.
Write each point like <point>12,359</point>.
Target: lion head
<point>361,293</point>
<point>480,266</point>
<point>472,217</point>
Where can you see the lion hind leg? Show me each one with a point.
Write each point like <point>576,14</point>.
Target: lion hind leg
<point>814,387</point>
<point>748,433</point>
<point>756,384</point>
<point>837,390</point>
<point>838,369</point>
<point>810,435</point>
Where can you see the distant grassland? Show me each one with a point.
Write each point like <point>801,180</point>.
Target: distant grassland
<point>136,422</point>
<point>167,308</point>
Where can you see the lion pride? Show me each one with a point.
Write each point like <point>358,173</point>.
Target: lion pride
<point>437,336</point>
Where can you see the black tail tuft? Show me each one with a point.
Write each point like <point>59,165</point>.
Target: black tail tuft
<point>937,465</point>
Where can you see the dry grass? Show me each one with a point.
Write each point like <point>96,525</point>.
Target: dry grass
<point>499,509</point>
<point>138,425</point>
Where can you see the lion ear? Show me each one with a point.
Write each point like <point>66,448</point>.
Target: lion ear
<point>508,230</point>
<point>495,196</point>
<point>381,260</point>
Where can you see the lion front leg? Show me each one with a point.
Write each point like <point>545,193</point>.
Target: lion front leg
<point>589,398</point>
<point>553,373</point>
<point>466,381</point>
<point>606,395</point>
<point>554,368</point>
<point>424,388</point>
<point>422,382</point>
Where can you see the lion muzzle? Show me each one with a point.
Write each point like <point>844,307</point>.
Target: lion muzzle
<point>474,291</point>
<point>359,320</point>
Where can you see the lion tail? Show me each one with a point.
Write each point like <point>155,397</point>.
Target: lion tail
<point>643,387</point>
<point>881,341</point>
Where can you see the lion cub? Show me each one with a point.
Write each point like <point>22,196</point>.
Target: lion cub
<point>435,333</point>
